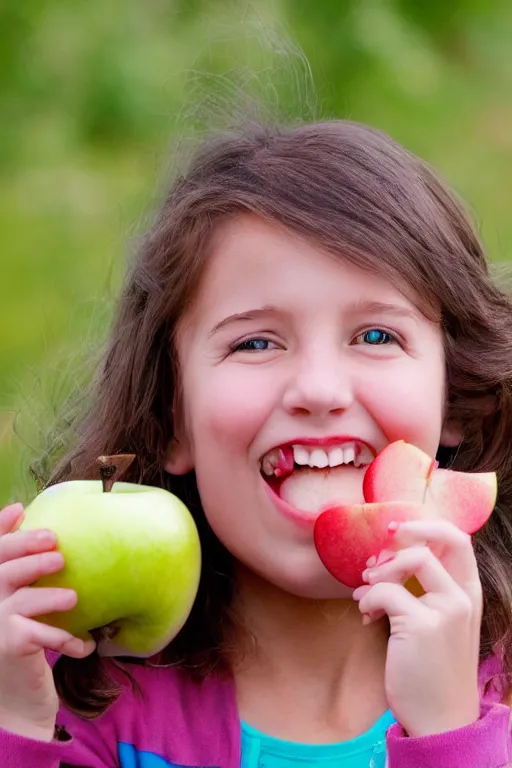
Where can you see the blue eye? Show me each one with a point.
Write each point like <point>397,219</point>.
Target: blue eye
<point>376,336</point>
<point>252,345</point>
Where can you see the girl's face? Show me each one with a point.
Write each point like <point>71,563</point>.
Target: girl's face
<point>287,346</point>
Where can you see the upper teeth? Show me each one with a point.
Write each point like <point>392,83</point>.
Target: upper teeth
<point>334,456</point>
<point>307,456</point>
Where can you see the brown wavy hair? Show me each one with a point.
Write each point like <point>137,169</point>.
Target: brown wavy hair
<point>357,194</point>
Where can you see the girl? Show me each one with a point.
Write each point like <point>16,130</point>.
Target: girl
<point>314,287</point>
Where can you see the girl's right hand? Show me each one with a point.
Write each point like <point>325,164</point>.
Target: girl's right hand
<point>28,699</point>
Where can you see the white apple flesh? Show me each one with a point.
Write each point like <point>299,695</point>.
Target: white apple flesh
<point>132,555</point>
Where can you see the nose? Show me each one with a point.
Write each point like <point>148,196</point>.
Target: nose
<point>319,386</point>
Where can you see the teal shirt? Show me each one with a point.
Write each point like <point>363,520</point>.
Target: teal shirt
<point>365,751</point>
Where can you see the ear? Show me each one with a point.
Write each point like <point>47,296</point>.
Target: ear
<point>451,434</point>
<point>178,457</point>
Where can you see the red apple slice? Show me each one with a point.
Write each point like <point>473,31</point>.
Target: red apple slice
<point>345,537</point>
<point>402,483</point>
<point>402,472</point>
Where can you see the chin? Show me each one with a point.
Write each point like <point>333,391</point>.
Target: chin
<point>312,584</point>
<point>319,590</point>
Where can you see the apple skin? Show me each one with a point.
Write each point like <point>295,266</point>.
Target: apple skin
<point>347,536</point>
<point>132,555</point>
<point>401,484</point>
<point>402,472</point>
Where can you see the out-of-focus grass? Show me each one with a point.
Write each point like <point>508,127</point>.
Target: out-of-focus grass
<point>65,231</point>
<point>75,190</point>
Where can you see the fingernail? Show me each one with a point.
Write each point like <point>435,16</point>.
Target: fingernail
<point>371,561</point>
<point>46,536</point>
<point>367,619</point>
<point>393,527</point>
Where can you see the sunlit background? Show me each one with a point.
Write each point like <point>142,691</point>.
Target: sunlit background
<point>93,93</point>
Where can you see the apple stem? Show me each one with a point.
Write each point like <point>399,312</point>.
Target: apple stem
<point>112,467</point>
<point>107,632</point>
<point>430,472</point>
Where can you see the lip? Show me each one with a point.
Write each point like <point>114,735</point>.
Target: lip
<point>307,519</point>
<point>323,442</point>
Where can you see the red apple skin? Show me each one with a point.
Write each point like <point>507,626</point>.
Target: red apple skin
<point>401,484</point>
<point>346,536</point>
<point>402,472</point>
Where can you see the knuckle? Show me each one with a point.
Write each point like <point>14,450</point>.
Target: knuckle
<point>5,590</point>
<point>37,565</point>
<point>433,622</point>
<point>414,557</point>
<point>4,546</point>
<point>16,633</point>
<point>10,545</point>
<point>462,539</point>
<point>423,555</point>
<point>378,592</point>
<point>12,607</point>
<point>461,607</point>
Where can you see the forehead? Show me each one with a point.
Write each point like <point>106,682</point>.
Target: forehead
<point>252,260</point>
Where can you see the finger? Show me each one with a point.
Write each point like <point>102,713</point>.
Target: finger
<point>358,594</point>
<point>18,544</point>
<point>15,574</point>
<point>391,599</point>
<point>39,601</point>
<point>414,561</point>
<point>452,546</point>
<point>439,533</point>
<point>26,637</point>
<point>11,518</point>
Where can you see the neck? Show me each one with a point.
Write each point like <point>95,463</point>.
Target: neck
<point>314,651</point>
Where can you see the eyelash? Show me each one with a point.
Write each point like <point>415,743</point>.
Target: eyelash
<point>240,346</point>
<point>393,338</point>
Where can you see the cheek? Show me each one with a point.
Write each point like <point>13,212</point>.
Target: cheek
<point>230,408</point>
<point>409,405</point>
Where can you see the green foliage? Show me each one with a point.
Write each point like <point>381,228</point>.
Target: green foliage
<point>94,94</point>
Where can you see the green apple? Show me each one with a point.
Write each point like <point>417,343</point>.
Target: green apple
<point>131,554</point>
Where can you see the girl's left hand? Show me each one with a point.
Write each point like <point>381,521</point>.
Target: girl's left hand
<point>433,652</point>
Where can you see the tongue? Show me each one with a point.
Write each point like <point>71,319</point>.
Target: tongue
<point>310,490</point>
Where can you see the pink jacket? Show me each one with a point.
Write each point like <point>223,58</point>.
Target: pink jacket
<point>176,722</point>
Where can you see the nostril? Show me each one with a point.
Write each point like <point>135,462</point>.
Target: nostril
<point>299,411</point>
<point>318,389</point>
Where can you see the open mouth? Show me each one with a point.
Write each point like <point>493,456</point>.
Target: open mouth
<point>305,478</point>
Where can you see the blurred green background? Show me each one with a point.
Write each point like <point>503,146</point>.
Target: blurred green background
<point>93,93</point>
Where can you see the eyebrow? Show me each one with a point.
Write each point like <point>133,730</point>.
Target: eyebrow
<point>251,314</point>
<point>358,307</point>
<point>381,307</point>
